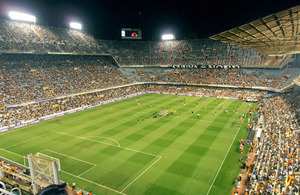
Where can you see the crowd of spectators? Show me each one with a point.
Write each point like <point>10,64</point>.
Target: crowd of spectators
<point>31,77</point>
<point>25,78</point>
<point>276,169</point>
<point>234,77</point>
<point>20,37</point>
<point>25,37</point>
<point>208,92</point>
<point>182,52</point>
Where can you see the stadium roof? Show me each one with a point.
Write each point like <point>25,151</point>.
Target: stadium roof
<point>278,33</point>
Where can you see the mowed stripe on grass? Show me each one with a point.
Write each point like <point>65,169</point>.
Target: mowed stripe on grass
<point>191,148</point>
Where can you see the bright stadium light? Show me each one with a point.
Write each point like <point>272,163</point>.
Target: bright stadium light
<point>21,16</point>
<point>167,37</point>
<point>75,25</point>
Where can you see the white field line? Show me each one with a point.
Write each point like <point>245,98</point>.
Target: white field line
<point>12,152</point>
<point>141,174</point>
<point>137,114</point>
<point>71,157</point>
<point>108,144</point>
<point>88,170</point>
<point>159,157</point>
<point>38,153</point>
<point>19,143</point>
<point>213,182</point>
<point>108,188</point>
<point>106,138</point>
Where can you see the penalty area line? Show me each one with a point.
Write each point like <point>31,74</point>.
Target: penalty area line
<point>87,170</point>
<point>224,159</point>
<point>141,174</point>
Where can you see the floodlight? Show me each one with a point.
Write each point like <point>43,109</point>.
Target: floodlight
<point>21,16</point>
<point>167,37</point>
<point>75,25</point>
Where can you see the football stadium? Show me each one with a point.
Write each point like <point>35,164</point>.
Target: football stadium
<point>81,115</point>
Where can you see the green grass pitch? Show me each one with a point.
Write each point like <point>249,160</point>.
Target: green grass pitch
<point>120,148</point>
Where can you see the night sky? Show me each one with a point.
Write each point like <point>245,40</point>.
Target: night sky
<point>186,19</point>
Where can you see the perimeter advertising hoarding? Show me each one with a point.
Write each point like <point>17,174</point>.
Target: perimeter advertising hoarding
<point>206,66</point>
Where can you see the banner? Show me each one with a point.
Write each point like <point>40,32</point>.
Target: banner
<point>3,130</point>
<point>195,84</point>
<point>206,66</point>
<point>44,100</point>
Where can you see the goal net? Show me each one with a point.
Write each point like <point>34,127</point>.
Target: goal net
<point>46,157</point>
<point>43,170</point>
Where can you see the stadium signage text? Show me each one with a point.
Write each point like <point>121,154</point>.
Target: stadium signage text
<point>206,66</point>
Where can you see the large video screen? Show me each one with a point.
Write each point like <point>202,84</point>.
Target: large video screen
<point>129,33</point>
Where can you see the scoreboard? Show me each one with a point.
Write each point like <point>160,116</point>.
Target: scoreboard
<point>130,33</point>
